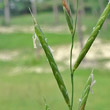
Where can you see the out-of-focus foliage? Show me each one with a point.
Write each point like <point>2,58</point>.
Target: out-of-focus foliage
<point>21,6</point>
<point>47,5</point>
<point>1,6</point>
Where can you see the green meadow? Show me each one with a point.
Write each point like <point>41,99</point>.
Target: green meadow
<point>23,88</point>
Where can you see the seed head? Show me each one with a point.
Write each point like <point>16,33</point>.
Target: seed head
<point>66,7</point>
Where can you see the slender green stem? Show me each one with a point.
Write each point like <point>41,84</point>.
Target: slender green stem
<point>71,54</point>
<point>73,34</point>
<point>72,79</point>
<point>71,68</point>
<point>72,83</point>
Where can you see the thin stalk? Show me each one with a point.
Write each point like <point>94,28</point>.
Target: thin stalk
<point>71,53</point>
<point>72,95</point>
<point>73,34</point>
<point>71,67</point>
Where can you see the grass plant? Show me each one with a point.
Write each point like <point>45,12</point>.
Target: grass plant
<point>72,26</point>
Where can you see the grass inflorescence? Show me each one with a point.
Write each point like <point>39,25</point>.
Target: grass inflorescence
<point>72,27</point>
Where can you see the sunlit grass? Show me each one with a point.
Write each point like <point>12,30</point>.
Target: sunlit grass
<point>23,40</point>
<point>25,91</point>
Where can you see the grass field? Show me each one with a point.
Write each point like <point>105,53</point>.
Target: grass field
<point>24,40</point>
<point>23,88</point>
<point>26,90</point>
<point>47,19</point>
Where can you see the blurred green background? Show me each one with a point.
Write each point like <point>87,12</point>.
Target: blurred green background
<point>25,75</point>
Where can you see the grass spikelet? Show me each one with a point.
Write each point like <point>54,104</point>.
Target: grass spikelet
<point>92,37</point>
<point>82,101</point>
<point>68,15</point>
<point>52,63</point>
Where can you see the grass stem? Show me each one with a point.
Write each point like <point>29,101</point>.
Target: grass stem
<point>72,84</point>
<point>71,68</point>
